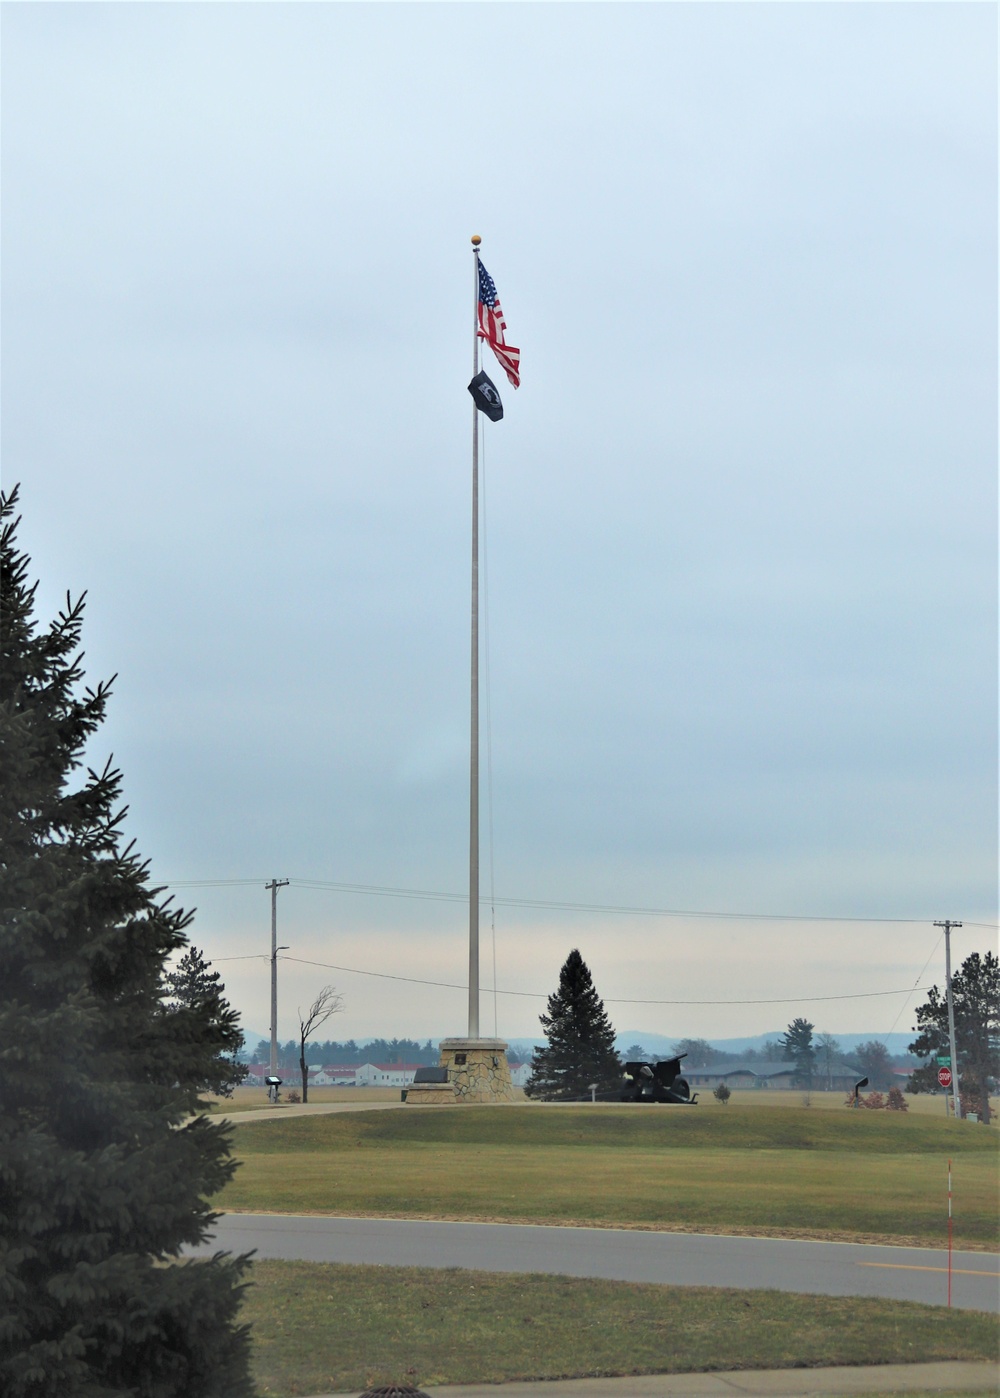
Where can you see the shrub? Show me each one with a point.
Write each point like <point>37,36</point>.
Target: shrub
<point>896,1102</point>
<point>971,1102</point>
<point>722,1093</point>
<point>874,1101</point>
<point>294,1096</point>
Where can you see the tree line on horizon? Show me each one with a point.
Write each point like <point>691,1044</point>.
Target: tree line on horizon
<point>348,1054</point>
<point>872,1058</point>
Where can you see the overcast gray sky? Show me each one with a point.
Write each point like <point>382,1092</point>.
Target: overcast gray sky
<point>741,514</point>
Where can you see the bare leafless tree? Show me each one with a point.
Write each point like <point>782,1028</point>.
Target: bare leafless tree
<point>327,1003</point>
<point>829,1048</point>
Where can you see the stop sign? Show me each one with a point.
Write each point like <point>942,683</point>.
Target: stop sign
<point>944,1077</point>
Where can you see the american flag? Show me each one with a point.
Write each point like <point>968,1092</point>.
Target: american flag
<point>492,327</point>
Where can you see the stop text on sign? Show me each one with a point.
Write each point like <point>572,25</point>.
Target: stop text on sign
<point>944,1077</point>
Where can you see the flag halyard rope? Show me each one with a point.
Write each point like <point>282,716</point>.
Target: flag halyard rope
<point>489,723</point>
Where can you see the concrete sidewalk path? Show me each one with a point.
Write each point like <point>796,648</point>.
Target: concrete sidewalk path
<point>292,1109</point>
<point>946,1377</point>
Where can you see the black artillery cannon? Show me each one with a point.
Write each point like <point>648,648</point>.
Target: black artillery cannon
<point>657,1082</point>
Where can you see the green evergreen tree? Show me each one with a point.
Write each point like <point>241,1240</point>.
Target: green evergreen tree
<point>105,1161</point>
<point>196,998</point>
<point>975,990</point>
<point>581,1040</point>
<point>797,1047</point>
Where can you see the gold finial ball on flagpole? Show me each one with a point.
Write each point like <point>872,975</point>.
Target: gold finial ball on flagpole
<point>476,240</point>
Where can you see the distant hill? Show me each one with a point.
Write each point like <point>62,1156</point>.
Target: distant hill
<point>659,1045</point>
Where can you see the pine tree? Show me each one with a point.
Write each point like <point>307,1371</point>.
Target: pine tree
<point>797,1047</point>
<point>196,996</point>
<point>975,990</point>
<point>105,1161</point>
<point>581,1041</point>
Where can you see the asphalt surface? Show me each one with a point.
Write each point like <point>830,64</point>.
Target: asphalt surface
<point>620,1254</point>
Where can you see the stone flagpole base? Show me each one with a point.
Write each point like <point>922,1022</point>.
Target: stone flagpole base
<point>478,1071</point>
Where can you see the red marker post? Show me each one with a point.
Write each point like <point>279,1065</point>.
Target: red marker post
<point>949,1230</point>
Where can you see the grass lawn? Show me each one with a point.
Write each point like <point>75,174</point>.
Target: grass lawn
<point>756,1169</point>
<point>325,1327</point>
<point>923,1103</point>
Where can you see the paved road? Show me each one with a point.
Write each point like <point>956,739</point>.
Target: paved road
<point>680,1259</point>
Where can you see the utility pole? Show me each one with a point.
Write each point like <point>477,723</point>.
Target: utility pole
<point>274,885</point>
<point>956,1101</point>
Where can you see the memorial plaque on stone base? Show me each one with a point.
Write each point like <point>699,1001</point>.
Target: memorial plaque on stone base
<point>470,1070</point>
<point>478,1069</point>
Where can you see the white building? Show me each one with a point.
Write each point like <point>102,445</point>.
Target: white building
<point>330,1076</point>
<point>385,1074</point>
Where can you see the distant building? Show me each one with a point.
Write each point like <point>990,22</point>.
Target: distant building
<point>761,1075</point>
<point>385,1074</point>
<point>741,1075</point>
<point>334,1075</point>
<point>367,1075</point>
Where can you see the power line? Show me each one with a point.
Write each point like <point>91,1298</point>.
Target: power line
<point>212,883</point>
<point>437,895</point>
<point>916,985</point>
<point>608,1000</point>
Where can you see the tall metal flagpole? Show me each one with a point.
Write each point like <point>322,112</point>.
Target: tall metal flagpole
<point>474,736</point>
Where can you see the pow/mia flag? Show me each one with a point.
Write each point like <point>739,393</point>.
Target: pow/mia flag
<point>485,396</point>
